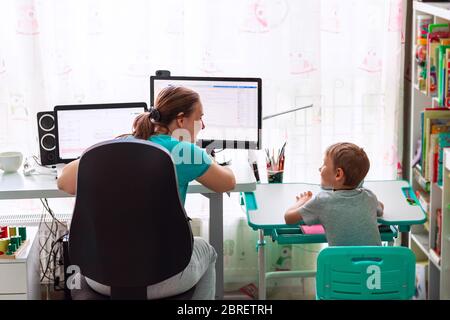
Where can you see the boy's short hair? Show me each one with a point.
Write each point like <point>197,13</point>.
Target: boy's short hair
<point>351,159</point>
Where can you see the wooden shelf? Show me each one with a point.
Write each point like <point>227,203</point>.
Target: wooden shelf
<point>433,257</point>
<point>435,102</point>
<point>422,241</point>
<point>437,9</point>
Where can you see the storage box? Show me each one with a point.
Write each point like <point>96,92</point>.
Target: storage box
<point>421,292</point>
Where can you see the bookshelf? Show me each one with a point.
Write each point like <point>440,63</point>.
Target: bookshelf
<point>423,238</point>
<point>444,291</point>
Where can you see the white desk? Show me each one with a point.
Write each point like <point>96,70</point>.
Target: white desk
<point>270,214</point>
<point>265,213</point>
<point>18,186</point>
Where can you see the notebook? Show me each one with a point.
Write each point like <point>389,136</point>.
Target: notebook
<point>314,229</point>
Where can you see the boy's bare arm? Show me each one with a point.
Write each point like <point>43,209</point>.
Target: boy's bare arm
<point>293,214</point>
<point>380,209</point>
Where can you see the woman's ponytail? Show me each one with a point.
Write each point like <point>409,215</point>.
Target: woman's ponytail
<point>143,127</point>
<point>170,102</point>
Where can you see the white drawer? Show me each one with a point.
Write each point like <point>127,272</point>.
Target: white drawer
<point>13,278</point>
<point>13,296</point>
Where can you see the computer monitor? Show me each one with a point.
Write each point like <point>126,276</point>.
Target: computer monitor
<point>231,107</point>
<point>78,127</point>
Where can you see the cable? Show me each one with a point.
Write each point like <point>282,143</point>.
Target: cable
<point>36,159</point>
<point>51,250</point>
<point>50,211</point>
<point>50,257</point>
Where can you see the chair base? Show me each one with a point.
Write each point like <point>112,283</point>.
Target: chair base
<point>87,293</point>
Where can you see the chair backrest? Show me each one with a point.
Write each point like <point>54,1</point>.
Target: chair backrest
<point>365,273</point>
<point>129,228</point>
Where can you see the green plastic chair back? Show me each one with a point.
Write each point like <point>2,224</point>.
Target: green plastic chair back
<point>365,273</point>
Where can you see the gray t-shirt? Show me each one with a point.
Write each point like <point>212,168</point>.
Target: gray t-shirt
<point>349,217</point>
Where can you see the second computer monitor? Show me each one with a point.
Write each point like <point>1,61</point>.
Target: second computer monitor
<point>80,126</point>
<point>231,107</point>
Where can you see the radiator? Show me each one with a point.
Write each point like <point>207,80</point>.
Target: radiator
<point>31,219</point>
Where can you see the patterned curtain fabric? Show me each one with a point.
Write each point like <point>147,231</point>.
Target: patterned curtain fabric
<point>343,56</point>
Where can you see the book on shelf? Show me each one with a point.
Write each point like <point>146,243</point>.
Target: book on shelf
<point>447,79</point>
<point>442,68</point>
<point>424,184</point>
<point>443,142</point>
<point>438,240</point>
<point>424,200</point>
<point>436,32</point>
<point>421,280</point>
<point>433,157</point>
<point>438,126</point>
<point>438,120</point>
<point>435,257</point>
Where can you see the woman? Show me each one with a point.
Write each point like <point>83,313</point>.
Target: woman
<point>174,123</point>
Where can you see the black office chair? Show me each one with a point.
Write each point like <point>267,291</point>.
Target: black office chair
<point>129,229</point>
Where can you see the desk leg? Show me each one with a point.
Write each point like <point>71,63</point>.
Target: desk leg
<point>261,267</point>
<point>404,238</point>
<point>216,236</point>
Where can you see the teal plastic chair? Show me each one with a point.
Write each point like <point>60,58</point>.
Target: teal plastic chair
<point>365,273</point>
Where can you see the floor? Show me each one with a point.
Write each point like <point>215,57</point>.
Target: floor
<point>273,293</point>
<point>48,293</point>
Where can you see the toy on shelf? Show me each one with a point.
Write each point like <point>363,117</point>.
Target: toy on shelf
<point>13,241</point>
<point>421,60</point>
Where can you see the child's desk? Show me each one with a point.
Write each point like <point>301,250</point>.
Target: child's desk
<point>266,206</point>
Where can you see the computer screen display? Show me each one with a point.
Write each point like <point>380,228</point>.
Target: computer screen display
<point>231,107</point>
<point>80,126</point>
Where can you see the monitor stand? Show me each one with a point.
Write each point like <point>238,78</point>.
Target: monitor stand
<point>220,157</point>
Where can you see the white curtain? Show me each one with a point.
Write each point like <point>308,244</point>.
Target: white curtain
<point>343,56</point>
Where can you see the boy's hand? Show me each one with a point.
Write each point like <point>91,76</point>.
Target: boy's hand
<point>303,198</point>
<point>293,214</point>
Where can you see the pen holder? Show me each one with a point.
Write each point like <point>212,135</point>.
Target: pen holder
<point>275,176</point>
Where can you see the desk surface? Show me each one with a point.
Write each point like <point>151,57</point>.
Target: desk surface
<point>272,200</point>
<point>17,186</point>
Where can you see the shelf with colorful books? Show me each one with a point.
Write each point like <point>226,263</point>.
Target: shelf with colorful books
<point>430,140</point>
<point>442,238</point>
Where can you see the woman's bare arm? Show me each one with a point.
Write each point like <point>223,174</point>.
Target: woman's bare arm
<point>218,178</point>
<point>67,182</point>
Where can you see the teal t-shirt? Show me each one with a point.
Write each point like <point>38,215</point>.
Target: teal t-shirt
<point>190,161</point>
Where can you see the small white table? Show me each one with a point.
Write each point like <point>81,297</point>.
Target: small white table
<point>18,186</point>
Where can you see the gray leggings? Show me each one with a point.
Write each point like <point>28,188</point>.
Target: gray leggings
<point>200,268</point>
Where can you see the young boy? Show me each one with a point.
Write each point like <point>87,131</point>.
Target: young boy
<point>347,212</point>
